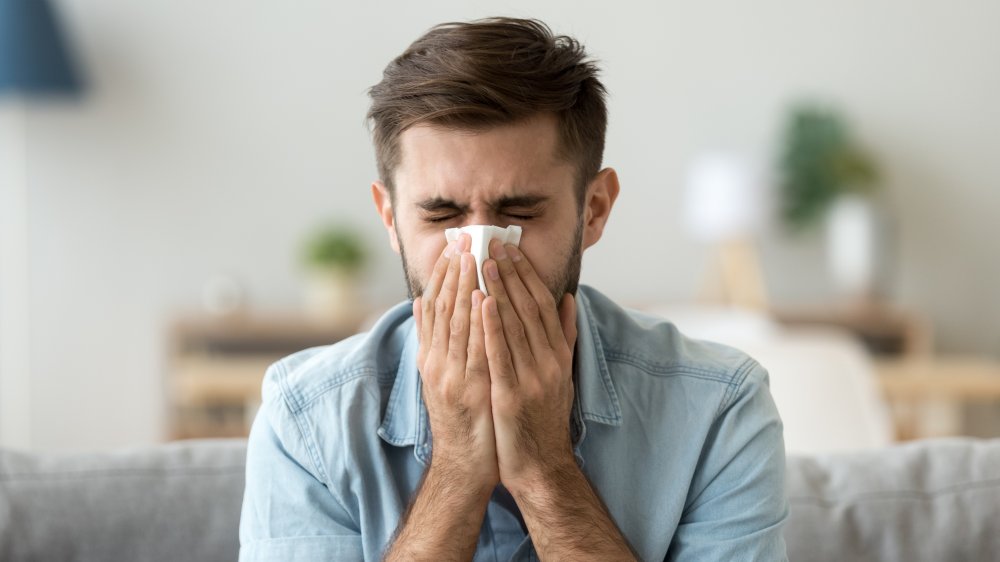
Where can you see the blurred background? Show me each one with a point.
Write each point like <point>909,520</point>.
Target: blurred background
<point>184,198</point>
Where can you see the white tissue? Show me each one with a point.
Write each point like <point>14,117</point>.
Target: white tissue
<point>481,235</point>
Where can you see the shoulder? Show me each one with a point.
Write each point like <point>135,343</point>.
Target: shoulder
<point>652,346</point>
<point>368,359</point>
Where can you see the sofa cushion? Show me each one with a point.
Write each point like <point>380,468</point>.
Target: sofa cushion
<point>927,500</point>
<point>179,501</point>
<point>935,499</point>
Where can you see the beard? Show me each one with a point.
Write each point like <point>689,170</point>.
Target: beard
<point>567,276</point>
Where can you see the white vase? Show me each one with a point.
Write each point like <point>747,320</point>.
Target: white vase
<point>852,240</point>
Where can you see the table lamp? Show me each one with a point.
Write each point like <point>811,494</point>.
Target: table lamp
<point>34,61</point>
<point>725,205</point>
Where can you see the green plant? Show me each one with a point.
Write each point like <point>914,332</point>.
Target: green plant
<point>819,162</point>
<point>335,247</point>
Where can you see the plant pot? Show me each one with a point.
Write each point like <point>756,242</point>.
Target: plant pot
<point>333,297</point>
<point>853,246</point>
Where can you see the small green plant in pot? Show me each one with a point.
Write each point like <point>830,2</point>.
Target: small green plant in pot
<point>827,180</point>
<point>819,164</point>
<point>335,258</point>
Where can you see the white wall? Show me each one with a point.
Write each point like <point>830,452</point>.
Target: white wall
<point>215,133</point>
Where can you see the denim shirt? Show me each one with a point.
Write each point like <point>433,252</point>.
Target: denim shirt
<point>679,437</point>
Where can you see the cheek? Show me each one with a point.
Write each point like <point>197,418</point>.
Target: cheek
<point>544,257</point>
<point>427,255</point>
<point>422,246</point>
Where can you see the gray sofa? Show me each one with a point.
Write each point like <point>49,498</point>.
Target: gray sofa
<point>932,500</point>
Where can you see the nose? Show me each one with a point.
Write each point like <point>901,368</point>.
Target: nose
<point>483,217</point>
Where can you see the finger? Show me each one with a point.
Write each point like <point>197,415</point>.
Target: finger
<point>520,300</point>
<point>476,364</point>
<point>498,357</point>
<point>458,345</point>
<point>444,304</point>
<point>421,351</point>
<point>431,291</point>
<point>543,297</point>
<point>567,317</point>
<point>513,327</point>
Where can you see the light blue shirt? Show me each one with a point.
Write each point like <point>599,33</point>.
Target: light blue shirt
<point>680,438</point>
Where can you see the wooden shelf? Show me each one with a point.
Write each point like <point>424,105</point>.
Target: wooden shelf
<point>926,395</point>
<point>940,378</point>
<point>885,330</point>
<point>216,366</point>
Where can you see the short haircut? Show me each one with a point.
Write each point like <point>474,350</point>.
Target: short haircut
<point>490,72</point>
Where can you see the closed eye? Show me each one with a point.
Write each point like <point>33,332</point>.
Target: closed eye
<point>440,219</point>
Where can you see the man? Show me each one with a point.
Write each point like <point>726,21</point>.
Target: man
<point>539,422</point>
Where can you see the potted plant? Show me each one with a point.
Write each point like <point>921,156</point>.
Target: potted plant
<point>334,257</point>
<point>827,179</point>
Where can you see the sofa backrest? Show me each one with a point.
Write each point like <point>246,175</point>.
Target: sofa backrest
<point>179,501</point>
<point>935,499</point>
<point>927,500</point>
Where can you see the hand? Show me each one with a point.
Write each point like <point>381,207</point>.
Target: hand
<point>529,347</point>
<point>453,367</point>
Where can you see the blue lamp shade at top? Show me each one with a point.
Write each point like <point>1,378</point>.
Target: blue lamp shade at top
<point>34,58</point>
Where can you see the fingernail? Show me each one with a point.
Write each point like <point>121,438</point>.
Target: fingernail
<point>450,249</point>
<point>477,299</point>
<point>515,254</point>
<point>491,270</point>
<point>501,253</point>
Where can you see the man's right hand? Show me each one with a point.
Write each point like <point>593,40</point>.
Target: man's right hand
<point>444,518</point>
<point>454,370</point>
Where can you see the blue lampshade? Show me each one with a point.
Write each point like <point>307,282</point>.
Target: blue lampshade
<point>33,55</point>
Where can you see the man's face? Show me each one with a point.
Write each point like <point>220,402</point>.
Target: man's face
<point>507,175</point>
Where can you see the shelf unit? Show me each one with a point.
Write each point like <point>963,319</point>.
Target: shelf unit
<point>216,365</point>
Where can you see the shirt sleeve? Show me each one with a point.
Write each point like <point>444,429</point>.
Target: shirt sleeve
<point>736,507</point>
<point>288,513</point>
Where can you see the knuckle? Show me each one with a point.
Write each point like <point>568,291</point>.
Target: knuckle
<point>459,325</point>
<point>454,353</point>
<point>547,303</point>
<point>532,391</point>
<point>450,389</point>
<point>441,307</point>
<point>476,368</point>
<point>495,353</point>
<point>531,307</point>
<point>506,267</point>
<point>517,330</point>
<point>428,371</point>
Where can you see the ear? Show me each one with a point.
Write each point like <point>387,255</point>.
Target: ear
<point>600,197</point>
<point>383,205</point>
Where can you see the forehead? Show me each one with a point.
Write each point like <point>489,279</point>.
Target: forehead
<point>464,165</point>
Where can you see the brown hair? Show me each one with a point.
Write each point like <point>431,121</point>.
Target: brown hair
<point>489,72</point>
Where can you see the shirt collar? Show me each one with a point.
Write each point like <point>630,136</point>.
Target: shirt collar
<point>405,422</point>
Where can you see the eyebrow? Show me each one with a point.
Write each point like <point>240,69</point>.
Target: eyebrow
<point>432,204</point>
